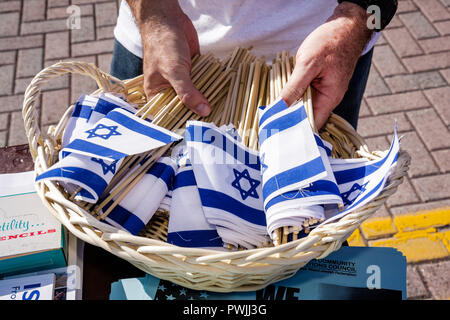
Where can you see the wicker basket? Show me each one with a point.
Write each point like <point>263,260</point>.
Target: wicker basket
<point>201,269</point>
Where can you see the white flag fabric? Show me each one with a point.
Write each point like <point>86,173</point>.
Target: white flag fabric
<point>298,180</point>
<point>136,209</point>
<point>188,226</point>
<point>360,180</point>
<point>119,134</point>
<point>73,170</point>
<point>229,183</point>
<point>290,158</point>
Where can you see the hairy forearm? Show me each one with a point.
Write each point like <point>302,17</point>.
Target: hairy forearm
<point>151,14</point>
<point>354,20</point>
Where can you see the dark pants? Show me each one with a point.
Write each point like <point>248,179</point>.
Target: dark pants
<point>126,65</point>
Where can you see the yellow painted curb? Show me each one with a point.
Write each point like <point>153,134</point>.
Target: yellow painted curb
<point>355,240</point>
<point>423,219</point>
<point>378,227</point>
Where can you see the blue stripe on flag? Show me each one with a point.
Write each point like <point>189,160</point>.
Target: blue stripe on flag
<point>163,172</point>
<point>276,108</point>
<point>86,177</point>
<point>184,179</point>
<point>196,133</point>
<point>282,123</point>
<point>95,149</point>
<point>322,145</point>
<point>221,201</point>
<point>125,218</point>
<point>81,111</point>
<point>294,175</point>
<point>318,188</point>
<point>140,128</point>
<point>195,238</point>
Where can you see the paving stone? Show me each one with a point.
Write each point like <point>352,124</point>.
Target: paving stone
<point>421,160</point>
<point>6,79</point>
<point>377,143</point>
<point>434,10</point>
<point>386,61</point>
<point>430,128</point>
<point>58,3</point>
<point>3,135</point>
<point>407,209</point>
<point>43,26</point>
<point>81,84</point>
<point>57,45</point>
<point>9,24</point>
<point>382,125</point>
<point>375,84</point>
<point>86,32</point>
<point>406,6</point>
<point>446,74</point>
<point>11,103</point>
<point>397,102</point>
<point>10,6</point>
<point>22,42</point>
<point>356,240</point>
<point>105,32</point>
<point>92,47</point>
<point>427,62</point>
<point>17,133</point>
<point>414,284</point>
<point>437,278</point>
<point>435,44</point>
<point>440,98</point>
<point>443,27</point>
<point>402,42</point>
<point>7,57</point>
<point>54,104</point>
<point>442,158</point>
<point>61,12</point>
<point>105,14</point>
<point>29,62</point>
<point>394,23</point>
<point>423,220</point>
<point>33,10</point>
<point>4,120</point>
<point>433,187</point>
<point>104,62</point>
<point>59,82</point>
<point>405,194</point>
<point>418,25</point>
<point>364,110</point>
<point>379,227</point>
<point>410,82</point>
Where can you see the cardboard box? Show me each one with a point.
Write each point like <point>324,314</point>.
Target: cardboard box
<point>31,238</point>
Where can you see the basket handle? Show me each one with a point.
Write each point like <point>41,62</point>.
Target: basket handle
<point>104,81</point>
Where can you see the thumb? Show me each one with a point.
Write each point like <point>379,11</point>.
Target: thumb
<point>298,82</point>
<point>189,94</point>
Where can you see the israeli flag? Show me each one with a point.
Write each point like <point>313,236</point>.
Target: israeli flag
<point>136,209</point>
<point>229,184</point>
<point>360,180</point>
<point>75,171</point>
<point>294,207</point>
<point>119,134</point>
<point>188,226</point>
<point>290,158</point>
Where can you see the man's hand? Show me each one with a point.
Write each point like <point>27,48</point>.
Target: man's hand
<point>169,41</point>
<point>327,58</point>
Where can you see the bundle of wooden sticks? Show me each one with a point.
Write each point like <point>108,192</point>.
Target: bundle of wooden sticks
<point>235,88</point>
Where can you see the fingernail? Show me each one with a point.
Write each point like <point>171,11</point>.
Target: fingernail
<point>203,109</point>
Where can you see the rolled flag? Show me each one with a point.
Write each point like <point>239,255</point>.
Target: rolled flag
<point>119,134</point>
<point>136,209</point>
<point>188,226</point>
<point>360,180</point>
<point>78,171</point>
<point>297,177</point>
<point>229,183</point>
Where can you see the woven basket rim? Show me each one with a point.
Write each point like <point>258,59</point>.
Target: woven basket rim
<point>282,261</point>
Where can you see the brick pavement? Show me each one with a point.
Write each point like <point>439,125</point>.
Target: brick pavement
<point>409,82</point>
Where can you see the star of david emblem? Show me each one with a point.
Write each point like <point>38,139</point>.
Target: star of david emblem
<point>251,192</point>
<point>102,128</point>
<point>356,187</point>
<point>105,167</point>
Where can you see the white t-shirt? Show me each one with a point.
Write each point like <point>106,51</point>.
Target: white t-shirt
<point>269,26</point>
